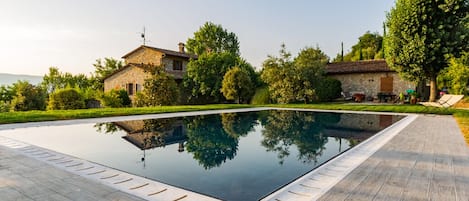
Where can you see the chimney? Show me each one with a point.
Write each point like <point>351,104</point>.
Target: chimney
<point>181,47</point>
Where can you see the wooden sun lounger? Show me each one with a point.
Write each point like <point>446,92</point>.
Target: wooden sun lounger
<point>446,100</point>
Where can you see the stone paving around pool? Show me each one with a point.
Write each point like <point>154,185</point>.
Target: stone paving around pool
<point>426,160</point>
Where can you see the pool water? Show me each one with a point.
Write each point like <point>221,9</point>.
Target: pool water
<point>231,156</point>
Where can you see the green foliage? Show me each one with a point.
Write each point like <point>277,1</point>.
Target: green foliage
<point>159,89</point>
<point>261,96</point>
<point>66,99</point>
<point>291,81</point>
<point>4,106</point>
<point>27,97</point>
<point>55,80</point>
<point>204,76</point>
<point>369,47</point>
<point>6,93</point>
<point>115,99</point>
<point>210,144</point>
<point>212,38</point>
<point>421,33</point>
<point>103,69</point>
<point>237,85</point>
<point>328,89</point>
<point>457,74</point>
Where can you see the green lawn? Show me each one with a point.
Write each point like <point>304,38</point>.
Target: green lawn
<point>34,116</point>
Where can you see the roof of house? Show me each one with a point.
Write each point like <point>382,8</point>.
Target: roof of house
<point>165,51</point>
<point>175,73</point>
<point>369,66</point>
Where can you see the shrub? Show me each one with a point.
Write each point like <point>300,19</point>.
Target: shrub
<point>28,97</point>
<point>116,98</point>
<point>261,96</point>
<point>66,99</point>
<point>328,89</point>
<point>4,106</point>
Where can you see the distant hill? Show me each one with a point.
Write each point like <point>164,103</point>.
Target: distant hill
<point>8,79</point>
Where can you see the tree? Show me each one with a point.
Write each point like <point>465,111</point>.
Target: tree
<point>309,65</point>
<point>28,97</point>
<point>369,47</point>
<point>457,74</point>
<point>295,80</point>
<point>57,80</point>
<point>204,76</point>
<point>421,33</point>
<point>103,69</point>
<point>237,85</point>
<point>160,88</point>
<point>213,38</point>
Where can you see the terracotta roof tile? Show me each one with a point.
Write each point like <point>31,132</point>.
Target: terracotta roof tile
<point>167,52</point>
<point>369,66</point>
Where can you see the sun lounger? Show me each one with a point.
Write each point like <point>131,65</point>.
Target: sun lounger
<point>446,100</point>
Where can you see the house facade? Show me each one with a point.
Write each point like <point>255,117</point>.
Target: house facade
<point>132,76</point>
<point>368,77</point>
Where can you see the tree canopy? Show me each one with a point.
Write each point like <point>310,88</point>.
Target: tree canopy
<point>422,33</point>
<point>294,80</point>
<point>369,47</point>
<point>105,68</point>
<point>213,38</point>
<point>237,85</point>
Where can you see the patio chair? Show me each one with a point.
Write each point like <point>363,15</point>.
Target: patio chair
<point>346,96</point>
<point>446,100</point>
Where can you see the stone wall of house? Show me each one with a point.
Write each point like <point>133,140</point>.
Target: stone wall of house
<point>168,63</point>
<point>370,83</point>
<point>146,56</point>
<point>119,80</point>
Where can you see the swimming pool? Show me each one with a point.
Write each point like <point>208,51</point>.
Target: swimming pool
<point>231,156</point>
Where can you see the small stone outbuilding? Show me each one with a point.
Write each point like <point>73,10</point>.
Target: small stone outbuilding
<point>132,76</point>
<point>369,77</point>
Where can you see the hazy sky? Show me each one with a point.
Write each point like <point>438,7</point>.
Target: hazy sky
<point>72,34</point>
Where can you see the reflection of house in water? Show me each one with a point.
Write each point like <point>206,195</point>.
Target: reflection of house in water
<point>359,127</point>
<point>148,134</point>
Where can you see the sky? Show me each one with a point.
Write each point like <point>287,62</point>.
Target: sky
<point>71,34</point>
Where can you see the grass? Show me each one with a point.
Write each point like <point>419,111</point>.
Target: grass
<point>463,121</point>
<point>35,116</point>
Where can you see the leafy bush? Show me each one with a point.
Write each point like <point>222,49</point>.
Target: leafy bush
<point>160,88</point>
<point>4,106</point>
<point>66,99</point>
<point>28,97</point>
<point>261,96</point>
<point>116,98</point>
<point>328,89</point>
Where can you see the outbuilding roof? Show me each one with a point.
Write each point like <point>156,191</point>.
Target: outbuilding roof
<point>165,51</point>
<point>368,66</point>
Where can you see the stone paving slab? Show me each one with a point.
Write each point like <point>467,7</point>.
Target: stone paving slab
<point>24,178</point>
<point>428,160</point>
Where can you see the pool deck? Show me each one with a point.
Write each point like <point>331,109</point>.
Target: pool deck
<point>427,160</point>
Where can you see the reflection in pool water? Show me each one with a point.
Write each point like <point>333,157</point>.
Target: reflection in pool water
<point>232,156</point>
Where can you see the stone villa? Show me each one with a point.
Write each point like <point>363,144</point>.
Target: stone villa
<point>368,77</point>
<point>365,77</point>
<point>132,76</point>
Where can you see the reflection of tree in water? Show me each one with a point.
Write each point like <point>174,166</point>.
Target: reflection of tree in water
<point>286,128</point>
<point>238,124</point>
<point>106,128</point>
<point>208,141</point>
